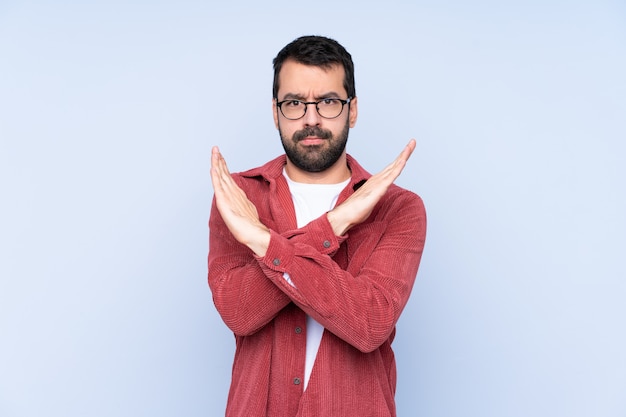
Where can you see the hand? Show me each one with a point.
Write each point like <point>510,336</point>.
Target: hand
<point>359,205</point>
<point>237,211</point>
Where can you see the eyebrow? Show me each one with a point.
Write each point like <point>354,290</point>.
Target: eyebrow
<point>296,96</point>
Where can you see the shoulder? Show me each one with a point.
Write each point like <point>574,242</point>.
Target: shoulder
<point>401,200</point>
<point>265,173</point>
<point>396,198</point>
<point>270,169</point>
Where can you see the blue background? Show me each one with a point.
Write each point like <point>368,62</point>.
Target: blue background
<point>108,111</point>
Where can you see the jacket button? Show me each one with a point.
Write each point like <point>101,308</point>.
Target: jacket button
<point>276,261</point>
<point>326,244</point>
<point>298,330</point>
<point>296,381</point>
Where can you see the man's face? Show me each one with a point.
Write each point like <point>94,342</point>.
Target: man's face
<point>313,143</point>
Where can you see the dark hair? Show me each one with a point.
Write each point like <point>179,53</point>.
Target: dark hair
<point>317,51</point>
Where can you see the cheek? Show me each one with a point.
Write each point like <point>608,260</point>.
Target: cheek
<point>285,131</point>
<point>288,127</point>
<point>340,126</point>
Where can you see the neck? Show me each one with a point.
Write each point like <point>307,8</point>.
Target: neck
<point>337,173</point>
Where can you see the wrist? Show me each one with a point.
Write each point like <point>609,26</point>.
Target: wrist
<point>339,225</point>
<point>259,241</point>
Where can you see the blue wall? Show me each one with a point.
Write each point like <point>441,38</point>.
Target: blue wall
<point>108,112</point>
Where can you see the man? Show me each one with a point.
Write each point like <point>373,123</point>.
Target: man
<point>312,259</point>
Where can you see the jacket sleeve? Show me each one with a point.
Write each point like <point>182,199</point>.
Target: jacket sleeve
<point>244,297</point>
<point>362,303</point>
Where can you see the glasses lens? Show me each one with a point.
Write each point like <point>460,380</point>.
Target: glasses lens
<point>293,109</point>
<point>330,108</point>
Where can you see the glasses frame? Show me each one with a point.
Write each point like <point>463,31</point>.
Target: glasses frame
<point>306,106</point>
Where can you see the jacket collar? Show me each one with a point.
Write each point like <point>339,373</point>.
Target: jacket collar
<point>274,169</point>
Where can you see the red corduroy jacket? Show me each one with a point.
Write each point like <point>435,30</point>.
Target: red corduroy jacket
<point>355,285</point>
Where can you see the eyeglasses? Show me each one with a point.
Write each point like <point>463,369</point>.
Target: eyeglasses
<point>328,108</point>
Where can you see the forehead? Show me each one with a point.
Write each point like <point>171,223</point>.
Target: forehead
<point>309,80</point>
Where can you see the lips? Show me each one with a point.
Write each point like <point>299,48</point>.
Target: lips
<point>312,134</point>
<point>311,140</point>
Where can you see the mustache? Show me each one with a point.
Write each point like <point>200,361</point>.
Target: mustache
<point>312,131</point>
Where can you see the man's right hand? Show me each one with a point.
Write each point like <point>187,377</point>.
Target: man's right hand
<point>237,211</point>
<point>358,207</point>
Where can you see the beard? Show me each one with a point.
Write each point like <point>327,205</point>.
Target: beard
<point>315,158</point>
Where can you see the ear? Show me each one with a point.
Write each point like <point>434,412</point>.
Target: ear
<point>275,112</point>
<point>354,111</point>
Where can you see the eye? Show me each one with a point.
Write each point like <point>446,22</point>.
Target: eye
<point>292,103</point>
<point>330,103</point>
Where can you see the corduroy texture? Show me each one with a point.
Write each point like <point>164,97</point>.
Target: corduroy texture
<point>355,285</point>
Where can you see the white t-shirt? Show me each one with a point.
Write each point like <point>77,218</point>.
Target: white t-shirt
<point>311,201</point>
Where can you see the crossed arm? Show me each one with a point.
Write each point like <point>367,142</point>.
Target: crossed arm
<point>360,306</point>
<point>242,219</point>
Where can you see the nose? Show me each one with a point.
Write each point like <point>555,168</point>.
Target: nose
<point>311,117</point>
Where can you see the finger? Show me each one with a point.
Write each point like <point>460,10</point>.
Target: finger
<point>411,147</point>
<point>216,181</point>
<point>398,165</point>
<point>221,168</point>
<point>215,156</point>
<point>220,177</point>
<point>400,159</point>
<point>215,152</point>
<point>215,162</point>
<point>393,170</point>
<point>407,151</point>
